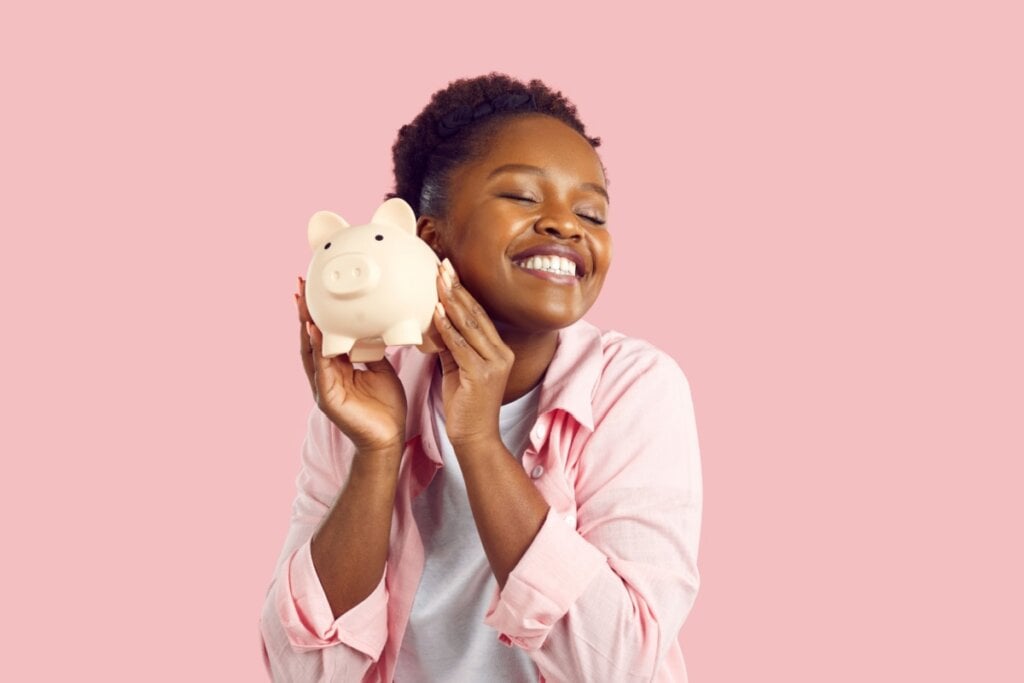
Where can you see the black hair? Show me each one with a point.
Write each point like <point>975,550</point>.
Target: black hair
<point>455,126</point>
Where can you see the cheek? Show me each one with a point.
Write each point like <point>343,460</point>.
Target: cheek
<point>477,266</point>
<point>603,250</point>
<point>481,248</point>
<point>479,258</point>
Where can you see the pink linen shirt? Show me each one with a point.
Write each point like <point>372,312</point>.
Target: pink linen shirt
<point>603,590</point>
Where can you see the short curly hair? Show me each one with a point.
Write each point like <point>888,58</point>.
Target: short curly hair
<point>455,126</point>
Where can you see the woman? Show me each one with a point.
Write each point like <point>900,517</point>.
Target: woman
<point>526,504</point>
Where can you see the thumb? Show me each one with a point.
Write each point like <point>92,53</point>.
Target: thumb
<point>383,366</point>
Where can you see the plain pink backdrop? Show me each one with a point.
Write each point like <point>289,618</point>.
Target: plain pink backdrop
<point>817,210</point>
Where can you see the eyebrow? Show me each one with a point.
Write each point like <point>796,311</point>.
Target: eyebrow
<point>536,170</point>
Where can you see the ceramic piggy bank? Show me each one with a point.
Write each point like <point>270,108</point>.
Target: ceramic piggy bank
<point>371,286</point>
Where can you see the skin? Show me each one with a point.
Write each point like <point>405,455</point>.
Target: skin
<point>499,325</point>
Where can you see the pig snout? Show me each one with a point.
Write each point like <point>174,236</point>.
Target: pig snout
<point>351,275</point>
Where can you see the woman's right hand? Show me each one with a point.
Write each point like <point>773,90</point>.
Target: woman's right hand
<point>368,406</point>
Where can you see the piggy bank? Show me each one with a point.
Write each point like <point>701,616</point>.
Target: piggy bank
<point>371,286</point>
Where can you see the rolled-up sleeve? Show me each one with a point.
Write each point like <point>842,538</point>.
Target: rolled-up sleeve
<point>305,612</point>
<point>302,640</point>
<point>606,598</point>
<point>556,568</point>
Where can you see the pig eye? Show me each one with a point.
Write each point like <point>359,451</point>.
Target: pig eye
<point>378,237</point>
<point>327,246</point>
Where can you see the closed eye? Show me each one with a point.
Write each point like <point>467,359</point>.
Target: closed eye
<point>519,198</point>
<point>522,198</point>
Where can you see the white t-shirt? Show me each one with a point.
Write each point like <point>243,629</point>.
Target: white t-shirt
<point>446,639</point>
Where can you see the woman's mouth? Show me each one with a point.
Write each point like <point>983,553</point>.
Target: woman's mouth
<point>559,266</point>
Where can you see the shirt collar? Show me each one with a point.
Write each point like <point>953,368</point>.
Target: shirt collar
<point>572,376</point>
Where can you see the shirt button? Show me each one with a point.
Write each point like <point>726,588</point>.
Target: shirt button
<point>537,472</point>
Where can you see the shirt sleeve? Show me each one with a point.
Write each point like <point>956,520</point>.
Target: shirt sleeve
<point>606,597</point>
<point>302,641</point>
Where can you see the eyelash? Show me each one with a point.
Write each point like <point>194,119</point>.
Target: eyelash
<point>520,198</point>
<point>595,221</point>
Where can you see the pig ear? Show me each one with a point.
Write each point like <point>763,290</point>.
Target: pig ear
<point>396,212</point>
<point>322,225</point>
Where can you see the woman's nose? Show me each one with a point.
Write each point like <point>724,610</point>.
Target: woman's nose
<point>559,223</point>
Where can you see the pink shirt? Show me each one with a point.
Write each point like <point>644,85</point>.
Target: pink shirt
<point>603,590</point>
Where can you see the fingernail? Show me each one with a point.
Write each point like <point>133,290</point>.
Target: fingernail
<point>447,279</point>
<point>440,309</point>
<point>309,328</point>
<point>449,267</point>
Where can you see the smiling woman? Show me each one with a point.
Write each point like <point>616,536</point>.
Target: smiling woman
<point>525,504</point>
<point>537,191</point>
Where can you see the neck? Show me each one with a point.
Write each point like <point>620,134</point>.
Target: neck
<point>533,351</point>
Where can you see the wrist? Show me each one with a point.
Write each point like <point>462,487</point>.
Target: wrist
<point>378,447</point>
<point>481,446</point>
<point>378,459</point>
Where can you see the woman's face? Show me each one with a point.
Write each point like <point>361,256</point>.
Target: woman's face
<point>536,202</point>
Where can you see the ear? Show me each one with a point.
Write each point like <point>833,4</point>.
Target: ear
<point>427,229</point>
<point>322,225</point>
<point>397,213</point>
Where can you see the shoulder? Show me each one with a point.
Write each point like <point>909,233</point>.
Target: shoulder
<point>643,416</point>
<point>631,364</point>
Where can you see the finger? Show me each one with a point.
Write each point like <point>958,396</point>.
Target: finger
<point>458,348</point>
<point>448,364</point>
<point>431,340</point>
<point>469,317</point>
<point>459,316</point>
<point>328,370</point>
<point>476,317</point>
<point>382,366</point>
<point>305,348</point>
<point>303,309</point>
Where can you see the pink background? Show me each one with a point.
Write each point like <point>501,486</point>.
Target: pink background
<point>825,202</point>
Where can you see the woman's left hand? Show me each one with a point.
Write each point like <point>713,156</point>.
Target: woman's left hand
<point>475,363</point>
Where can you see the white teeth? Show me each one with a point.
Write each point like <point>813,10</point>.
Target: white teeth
<point>552,264</point>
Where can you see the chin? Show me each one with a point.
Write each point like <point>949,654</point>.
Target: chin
<point>538,320</point>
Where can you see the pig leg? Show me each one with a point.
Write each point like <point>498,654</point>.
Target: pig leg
<point>366,350</point>
<point>335,345</point>
<point>404,332</point>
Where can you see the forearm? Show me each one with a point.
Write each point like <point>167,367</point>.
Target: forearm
<point>350,548</point>
<point>608,605</point>
<point>507,508</point>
